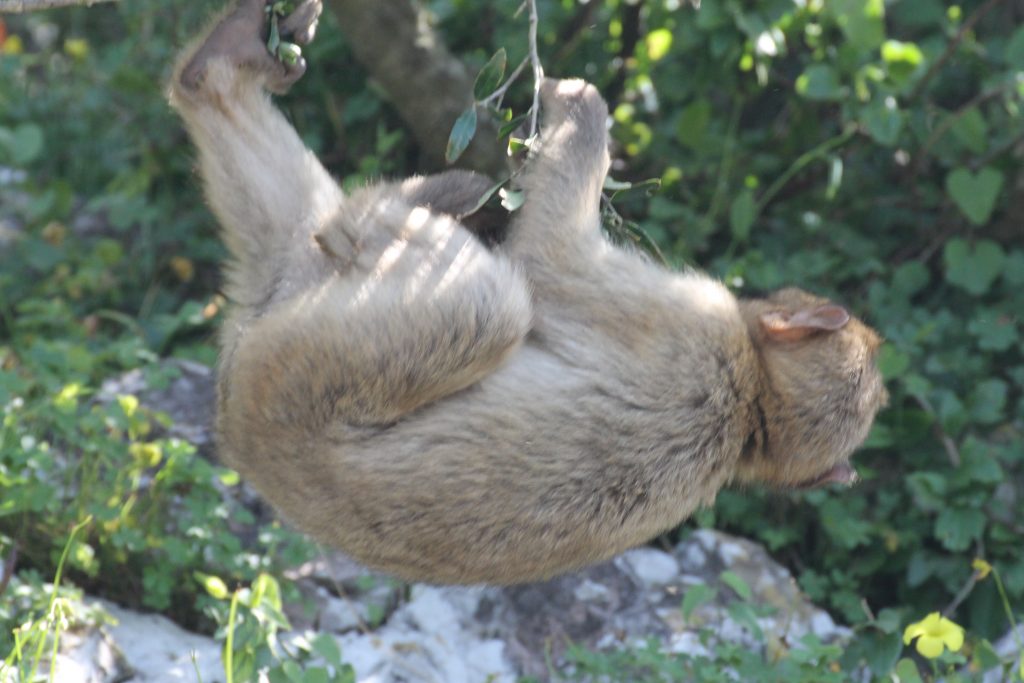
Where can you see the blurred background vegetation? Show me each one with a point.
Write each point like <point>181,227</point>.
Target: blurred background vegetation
<point>868,150</point>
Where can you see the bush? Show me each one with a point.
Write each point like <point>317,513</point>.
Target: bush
<point>869,151</point>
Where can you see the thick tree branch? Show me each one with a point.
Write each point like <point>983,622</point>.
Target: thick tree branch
<point>427,85</point>
<point>16,6</point>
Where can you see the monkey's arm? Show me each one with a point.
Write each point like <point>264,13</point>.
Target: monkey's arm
<point>268,191</point>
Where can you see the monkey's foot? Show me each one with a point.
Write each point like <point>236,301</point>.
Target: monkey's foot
<point>573,101</point>
<point>241,38</point>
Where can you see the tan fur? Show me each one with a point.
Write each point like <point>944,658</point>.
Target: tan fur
<point>451,413</point>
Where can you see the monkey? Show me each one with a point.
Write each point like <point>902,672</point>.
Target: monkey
<point>452,412</point>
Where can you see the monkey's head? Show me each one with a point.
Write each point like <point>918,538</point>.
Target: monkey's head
<point>820,390</point>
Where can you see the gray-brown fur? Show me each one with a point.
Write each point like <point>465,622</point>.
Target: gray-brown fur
<point>452,413</point>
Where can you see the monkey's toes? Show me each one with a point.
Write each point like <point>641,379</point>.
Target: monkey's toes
<point>572,99</point>
<point>300,25</point>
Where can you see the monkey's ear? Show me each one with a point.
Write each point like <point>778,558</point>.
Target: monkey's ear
<point>784,326</point>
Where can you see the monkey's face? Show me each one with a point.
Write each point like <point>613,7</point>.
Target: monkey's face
<point>821,390</point>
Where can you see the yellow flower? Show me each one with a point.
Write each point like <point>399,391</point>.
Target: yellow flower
<point>982,567</point>
<point>932,633</point>
<point>76,48</point>
<point>183,268</point>
<point>12,46</point>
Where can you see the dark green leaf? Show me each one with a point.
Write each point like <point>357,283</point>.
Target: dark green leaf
<point>734,581</point>
<point>696,596</point>
<point>461,135</point>
<point>988,401</point>
<point>957,527</point>
<point>883,120</point>
<point>971,129</point>
<point>490,77</point>
<point>975,193</point>
<point>862,21</point>
<point>1014,54</point>
<point>693,123</point>
<point>906,669</point>
<point>973,268</point>
<point>26,143</point>
<point>819,82</point>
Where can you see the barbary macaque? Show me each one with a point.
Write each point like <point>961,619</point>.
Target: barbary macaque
<point>454,413</point>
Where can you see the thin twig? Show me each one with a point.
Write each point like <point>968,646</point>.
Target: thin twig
<point>940,130</point>
<point>965,590</point>
<point>998,151</point>
<point>947,442</point>
<point>496,96</point>
<point>8,570</point>
<point>18,6</point>
<point>951,47</point>
<point>807,157</point>
<point>538,70</point>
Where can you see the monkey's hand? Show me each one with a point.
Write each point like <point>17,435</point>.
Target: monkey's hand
<point>240,37</point>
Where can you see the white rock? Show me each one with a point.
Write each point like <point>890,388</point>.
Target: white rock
<point>653,567</point>
<point>687,643</point>
<point>591,591</point>
<point>731,552</point>
<point>822,625</point>
<point>160,651</point>
<point>693,557</point>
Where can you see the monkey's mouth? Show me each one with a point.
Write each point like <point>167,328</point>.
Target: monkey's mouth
<point>841,473</point>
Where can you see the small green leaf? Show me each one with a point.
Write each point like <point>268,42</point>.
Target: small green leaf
<point>988,401</point>
<point>733,581</point>
<point>819,82</point>
<point>862,22</point>
<point>883,121</point>
<point>696,596</point>
<point>490,77</point>
<point>1014,54</point>
<point>973,268</point>
<point>510,126</point>
<point>957,527</point>
<point>316,674</point>
<point>971,129</point>
<point>993,330</point>
<point>484,198</point>
<point>907,672</point>
<point>461,135</point>
<point>892,362</point>
<point>975,194</point>
<point>742,214</point>
<point>26,143</point>
<point>326,646</point>
<point>985,656</point>
<point>691,130</point>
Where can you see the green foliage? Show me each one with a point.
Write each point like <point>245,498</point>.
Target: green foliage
<point>250,620</point>
<point>808,660</point>
<point>866,150</point>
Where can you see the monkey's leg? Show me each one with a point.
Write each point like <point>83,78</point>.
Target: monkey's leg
<point>268,191</point>
<point>424,310</point>
<point>557,230</point>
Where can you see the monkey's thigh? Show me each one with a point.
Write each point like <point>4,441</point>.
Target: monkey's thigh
<point>422,311</point>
